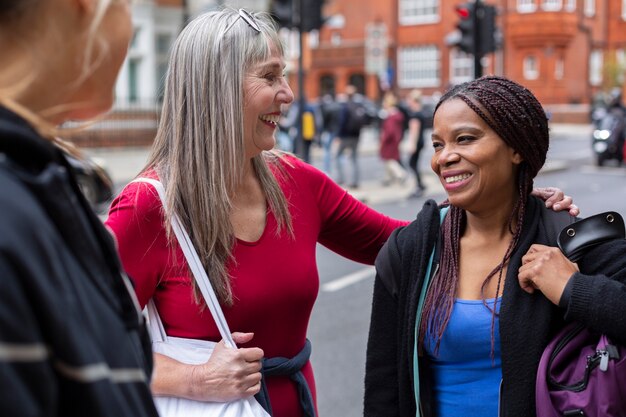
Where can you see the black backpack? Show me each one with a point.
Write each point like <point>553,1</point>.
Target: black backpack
<point>355,119</point>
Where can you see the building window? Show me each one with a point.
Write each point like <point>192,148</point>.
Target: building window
<point>163,42</point>
<point>620,58</point>
<point>570,5</point>
<point>412,12</point>
<point>133,40</point>
<point>590,8</point>
<point>559,69</point>
<point>623,9</point>
<point>419,66</point>
<point>327,85</point>
<point>551,5</point>
<point>595,67</point>
<point>133,79</point>
<point>461,66</point>
<point>358,81</point>
<point>531,67</point>
<point>526,6</point>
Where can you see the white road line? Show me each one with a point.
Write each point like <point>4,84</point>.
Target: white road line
<point>347,280</point>
<point>612,171</point>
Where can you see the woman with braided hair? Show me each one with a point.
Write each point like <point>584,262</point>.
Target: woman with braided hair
<point>473,347</point>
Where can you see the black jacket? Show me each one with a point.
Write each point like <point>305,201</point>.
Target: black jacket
<point>527,322</point>
<point>72,341</point>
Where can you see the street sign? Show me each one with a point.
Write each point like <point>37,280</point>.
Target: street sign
<point>376,45</point>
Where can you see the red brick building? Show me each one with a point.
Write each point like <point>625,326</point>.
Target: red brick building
<point>566,51</point>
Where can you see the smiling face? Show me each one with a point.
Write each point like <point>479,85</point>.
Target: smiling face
<point>265,90</point>
<point>476,168</point>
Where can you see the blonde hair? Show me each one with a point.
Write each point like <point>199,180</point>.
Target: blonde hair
<point>15,15</point>
<point>199,151</point>
<point>415,95</point>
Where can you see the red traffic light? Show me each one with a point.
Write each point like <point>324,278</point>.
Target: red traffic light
<point>463,12</point>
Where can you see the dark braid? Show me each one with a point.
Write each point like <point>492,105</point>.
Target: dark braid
<point>516,116</point>
<point>10,10</point>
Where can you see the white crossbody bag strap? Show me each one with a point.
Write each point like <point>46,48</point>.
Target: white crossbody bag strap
<point>197,270</point>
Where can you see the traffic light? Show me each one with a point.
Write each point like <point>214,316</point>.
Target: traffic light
<point>285,13</point>
<point>467,27</point>
<point>487,25</point>
<point>282,12</point>
<point>312,14</point>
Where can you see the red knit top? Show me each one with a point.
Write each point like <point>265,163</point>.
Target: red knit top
<point>274,280</point>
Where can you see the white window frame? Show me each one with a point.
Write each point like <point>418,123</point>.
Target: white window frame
<point>419,66</point>
<point>551,5</point>
<point>620,58</point>
<point>418,12</point>
<point>623,9</point>
<point>461,66</point>
<point>589,8</point>
<point>526,6</point>
<point>559,69</point>
<point>531,67</point>
<point>596,61</point>
<point>570,5</point>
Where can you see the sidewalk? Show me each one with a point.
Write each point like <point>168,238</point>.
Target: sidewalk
<point>124,164</point>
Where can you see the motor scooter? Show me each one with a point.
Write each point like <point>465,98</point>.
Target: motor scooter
<point>608,135</point>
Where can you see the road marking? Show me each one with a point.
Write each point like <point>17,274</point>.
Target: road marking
<point>347,280</point>
<point>612,171</point>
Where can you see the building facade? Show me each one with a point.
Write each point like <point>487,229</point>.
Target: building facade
<point>566,51</point>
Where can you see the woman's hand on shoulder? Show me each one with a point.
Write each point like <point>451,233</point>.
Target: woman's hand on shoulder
<point>228,375</point>
<point>546,269</point>
<point>556,199</point>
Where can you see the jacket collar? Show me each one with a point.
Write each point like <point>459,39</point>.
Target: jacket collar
<point>42,168</point>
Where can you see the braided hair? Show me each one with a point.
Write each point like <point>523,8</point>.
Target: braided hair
<point>518,118</point>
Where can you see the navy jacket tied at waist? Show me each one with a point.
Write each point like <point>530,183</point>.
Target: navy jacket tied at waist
<point>292,368</point>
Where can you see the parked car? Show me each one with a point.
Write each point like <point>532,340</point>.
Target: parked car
<point>94,181</point>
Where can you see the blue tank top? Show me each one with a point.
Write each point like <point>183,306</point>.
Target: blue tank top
<point>466,381</point>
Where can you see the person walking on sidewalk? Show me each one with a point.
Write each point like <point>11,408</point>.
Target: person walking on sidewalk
<point>417,126</point>
<point>468,342</point>
<point>352,118</point>
<point>330,110</point>
<point>72,340</point>
<point>391,134</point>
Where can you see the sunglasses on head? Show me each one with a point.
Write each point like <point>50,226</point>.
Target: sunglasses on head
<point>250,20</point>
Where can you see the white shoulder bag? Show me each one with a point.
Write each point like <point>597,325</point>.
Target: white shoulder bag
<point>194,351</point>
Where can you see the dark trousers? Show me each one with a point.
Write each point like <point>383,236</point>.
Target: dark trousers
<point>414,165</point>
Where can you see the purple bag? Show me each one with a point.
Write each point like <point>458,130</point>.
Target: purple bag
<point>581,374</point>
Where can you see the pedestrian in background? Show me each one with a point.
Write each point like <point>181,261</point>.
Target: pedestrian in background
<point>255,216</point>
<point>352,119</point>
<point>72,339</point>
<point>304,136</point>
<point>417,126</point>
<point>391,135</point>
<point>330,110</point>
<point>473,347</point>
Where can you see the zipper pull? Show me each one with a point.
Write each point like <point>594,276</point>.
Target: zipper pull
<point>604,360</point>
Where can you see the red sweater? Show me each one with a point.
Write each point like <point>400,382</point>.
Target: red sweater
<point>275,279</point>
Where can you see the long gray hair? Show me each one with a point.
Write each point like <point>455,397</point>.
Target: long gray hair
<point>199,151</point>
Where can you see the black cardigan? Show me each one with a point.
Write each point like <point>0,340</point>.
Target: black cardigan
<point>527,321</point>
